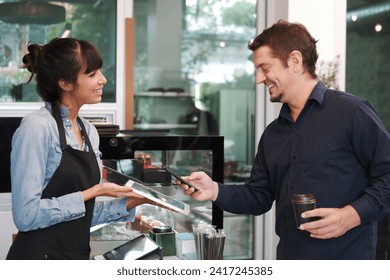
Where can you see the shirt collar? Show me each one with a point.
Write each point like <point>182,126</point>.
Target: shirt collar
<point>316,95</point>
<point>63,110</point>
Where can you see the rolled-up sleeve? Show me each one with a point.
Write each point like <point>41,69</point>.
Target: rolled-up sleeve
<point>112,210</point>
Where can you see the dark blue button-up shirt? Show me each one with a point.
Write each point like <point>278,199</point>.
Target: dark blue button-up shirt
<point>339,150</point>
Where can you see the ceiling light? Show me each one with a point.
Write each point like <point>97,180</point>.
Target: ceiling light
<point>378,27</point>
<point>27,12</point>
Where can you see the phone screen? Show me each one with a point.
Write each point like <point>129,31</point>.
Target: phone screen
<point>181,179</point>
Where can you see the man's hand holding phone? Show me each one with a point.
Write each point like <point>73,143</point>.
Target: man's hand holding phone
<point>181,180</point>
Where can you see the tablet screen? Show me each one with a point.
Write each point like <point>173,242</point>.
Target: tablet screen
<point>119,178</point>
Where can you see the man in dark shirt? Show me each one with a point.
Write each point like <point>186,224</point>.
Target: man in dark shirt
<point>325,142</point>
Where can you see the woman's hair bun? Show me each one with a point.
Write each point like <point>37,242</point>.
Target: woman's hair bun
<point>30,60</point>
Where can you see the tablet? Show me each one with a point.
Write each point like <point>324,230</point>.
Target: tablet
<point>121,179</point>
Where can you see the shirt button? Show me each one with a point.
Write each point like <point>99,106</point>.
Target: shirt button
<point>46,257</point>
<point>68,124</point>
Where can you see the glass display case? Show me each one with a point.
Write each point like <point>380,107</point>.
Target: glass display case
<point>144,155</point>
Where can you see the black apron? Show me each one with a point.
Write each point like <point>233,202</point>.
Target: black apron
<point>78,170</point>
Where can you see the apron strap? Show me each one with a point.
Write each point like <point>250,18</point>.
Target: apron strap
<point>60,125</point>
<point>84,132</point>
<point>58,118</point>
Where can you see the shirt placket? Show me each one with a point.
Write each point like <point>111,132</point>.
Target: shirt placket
<point>293,171</point>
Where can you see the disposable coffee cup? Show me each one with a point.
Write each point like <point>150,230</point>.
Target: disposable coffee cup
<point>302,203</point>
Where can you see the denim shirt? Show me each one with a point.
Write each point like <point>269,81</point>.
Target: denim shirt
<point>36,154</point>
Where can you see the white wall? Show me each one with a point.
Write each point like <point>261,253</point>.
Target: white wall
<point>326,21</point>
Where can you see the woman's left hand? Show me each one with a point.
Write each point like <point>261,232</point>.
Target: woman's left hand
<point>134,200</point>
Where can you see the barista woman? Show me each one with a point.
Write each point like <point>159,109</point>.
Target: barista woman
<point>55,166</point>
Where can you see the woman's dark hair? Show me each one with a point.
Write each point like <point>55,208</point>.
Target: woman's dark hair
<point>61,58</point>
<point>283,38</point>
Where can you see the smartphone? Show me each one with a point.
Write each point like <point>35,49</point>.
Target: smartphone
<point>177,176</point>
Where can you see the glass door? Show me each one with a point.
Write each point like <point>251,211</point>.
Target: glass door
<point>194,75</point>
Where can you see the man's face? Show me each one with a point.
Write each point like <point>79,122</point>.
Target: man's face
<point>272,72</point>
